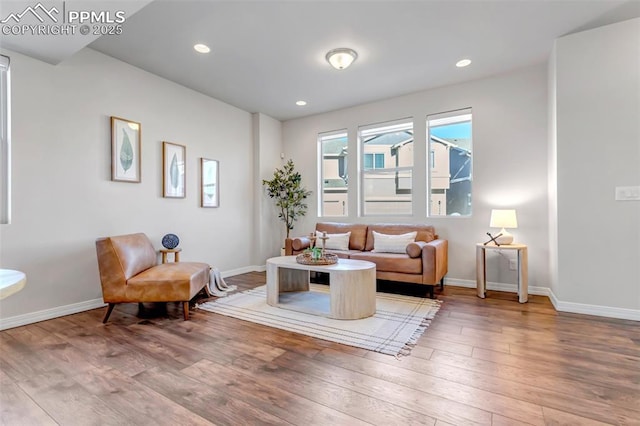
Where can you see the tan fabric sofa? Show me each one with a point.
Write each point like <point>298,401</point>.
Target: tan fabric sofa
<point>425,261</point>
<point>129,273</point>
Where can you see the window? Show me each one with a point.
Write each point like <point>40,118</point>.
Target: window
<point>334,178</point>
<point>5,141</point>
<point>449,156</point>
<point>387,168</point>
<point>374,161</point>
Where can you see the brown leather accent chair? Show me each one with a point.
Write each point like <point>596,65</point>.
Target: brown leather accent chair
<point>129,273</point>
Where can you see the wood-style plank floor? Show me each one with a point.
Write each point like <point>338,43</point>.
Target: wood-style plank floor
<point>491,361</point>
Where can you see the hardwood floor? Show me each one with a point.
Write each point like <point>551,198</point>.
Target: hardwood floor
<point>491,361</point>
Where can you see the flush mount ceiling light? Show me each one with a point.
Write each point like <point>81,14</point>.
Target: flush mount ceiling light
<point>201,48</point>
<point>341,58</point>
<point>463,63</point>
<point>301,103</point>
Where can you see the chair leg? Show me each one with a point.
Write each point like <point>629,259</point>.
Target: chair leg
<point>442,284</point>
<point>109,310</point>
<point>185,306</point>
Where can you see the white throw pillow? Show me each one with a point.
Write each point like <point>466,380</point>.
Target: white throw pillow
<point>334,241</point>
<point>385,243</point>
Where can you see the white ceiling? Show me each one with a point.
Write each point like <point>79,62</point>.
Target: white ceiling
<point>54,48</point>
<point>266,55</point>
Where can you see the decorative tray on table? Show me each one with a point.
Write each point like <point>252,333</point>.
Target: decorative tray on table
<point>326,259</point>
<point>315,255</point>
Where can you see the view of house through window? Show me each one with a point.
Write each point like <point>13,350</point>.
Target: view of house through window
<point>450,166</point>
<point>5,147</point>
<point>334,179</point>
<point>387,167</point>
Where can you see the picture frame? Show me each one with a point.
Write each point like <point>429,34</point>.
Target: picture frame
<point>126,143</point>
<point>174,170</point>
<point>209,183</point>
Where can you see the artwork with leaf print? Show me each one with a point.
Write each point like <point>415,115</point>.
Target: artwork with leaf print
<point>173,170</point>
<point>125,150</point>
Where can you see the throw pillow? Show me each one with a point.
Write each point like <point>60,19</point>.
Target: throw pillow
<point>415,249</point>
<point>334,241</point>
<point>384,243</point>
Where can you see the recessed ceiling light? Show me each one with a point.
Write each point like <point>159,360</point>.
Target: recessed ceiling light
<point>301,103</point>
<point>201,48</point>
<point>341,58</point>
<point>463,63</point>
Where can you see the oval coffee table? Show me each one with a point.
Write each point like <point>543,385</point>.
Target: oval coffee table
<point>352,288</point>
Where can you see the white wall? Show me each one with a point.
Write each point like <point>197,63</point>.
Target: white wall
<point>509,160</point>
<point>267,146</point>
<point>63,198</point>
<point>598,148</point>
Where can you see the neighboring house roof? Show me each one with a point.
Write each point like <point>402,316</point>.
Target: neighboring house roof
<point>460,144</point>
<point>390,138</point>
<point>334,147</point>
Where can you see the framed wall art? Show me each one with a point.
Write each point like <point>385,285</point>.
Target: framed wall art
<point>209,183</point>
<point>173,170</point>
<point>125,150</point>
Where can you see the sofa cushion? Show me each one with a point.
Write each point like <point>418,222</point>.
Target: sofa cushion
<point>358,237</point>
<point>334,241</point>
<point>415,249</point>
<point>300,243</point>
<point>385,243</point>
<point>344,254</point>
<point>391,262</point>
<point>424,232</point>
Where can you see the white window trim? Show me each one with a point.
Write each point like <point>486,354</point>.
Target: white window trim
<point>326,136</point>
<point>441,119</point>
<point>5,141</point>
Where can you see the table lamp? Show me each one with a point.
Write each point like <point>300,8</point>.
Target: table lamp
<point>503,218</point>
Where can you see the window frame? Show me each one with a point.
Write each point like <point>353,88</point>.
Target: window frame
<point>5,139</point>
<point>363,132</point>
<point>461,115</point>
<point>323,137</point>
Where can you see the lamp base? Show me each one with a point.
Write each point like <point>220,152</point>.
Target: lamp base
<point>505,238</point>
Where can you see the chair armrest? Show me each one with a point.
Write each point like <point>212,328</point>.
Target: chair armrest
<point>434,261</point>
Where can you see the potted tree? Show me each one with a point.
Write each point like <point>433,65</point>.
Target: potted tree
<point>289,194</point>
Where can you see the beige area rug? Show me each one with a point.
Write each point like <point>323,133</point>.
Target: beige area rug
<point>394,329</point>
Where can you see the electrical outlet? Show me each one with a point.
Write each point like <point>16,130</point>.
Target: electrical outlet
<point>513,264</point>
<point>627,193</point>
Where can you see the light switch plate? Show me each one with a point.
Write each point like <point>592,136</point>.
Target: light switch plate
<point>627,193</point>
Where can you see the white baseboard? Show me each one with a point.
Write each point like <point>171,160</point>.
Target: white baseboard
<point>510,288</point>
<point>243,270</point>
<point>577,308</point>
<point>60,311</point>
<point>597,310</point>
<point>47,314</point>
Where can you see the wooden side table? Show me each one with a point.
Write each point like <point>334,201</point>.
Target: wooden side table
<point>523,275</point>
<point>175,251</point>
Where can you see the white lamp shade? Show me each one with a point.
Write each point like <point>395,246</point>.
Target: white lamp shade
<point>503,218</point>
<point>341,58</point>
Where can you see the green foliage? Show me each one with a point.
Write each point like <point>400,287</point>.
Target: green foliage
<point>316,252</point>
<point>174,172</point>
<point>289,194</point>
<point>126,152</point>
